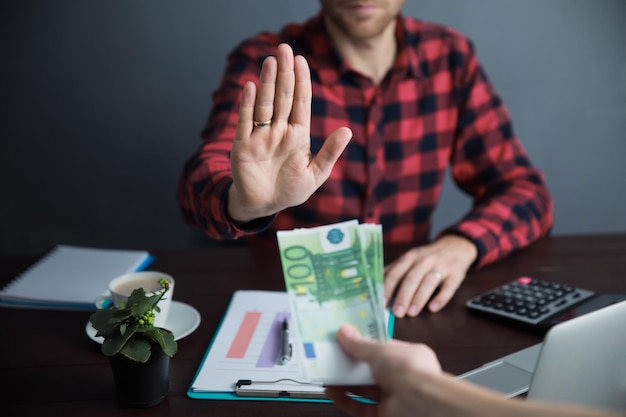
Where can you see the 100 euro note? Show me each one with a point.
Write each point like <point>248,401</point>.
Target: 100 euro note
<point>330,283</point>
<point>372,243</point>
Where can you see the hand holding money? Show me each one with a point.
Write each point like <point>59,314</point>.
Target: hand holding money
<point>334,276</point>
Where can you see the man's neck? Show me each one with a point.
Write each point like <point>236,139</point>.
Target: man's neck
<point>373,57</point>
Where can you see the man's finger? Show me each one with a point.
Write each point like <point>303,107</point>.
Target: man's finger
<point>301,111</point>
<point>330,152</point>
<point>285,84</point>
<point>264,104</point>
<point>355,345</point>
<point>426,289</point>
<point>394,273</point>
<point>444,295</point>
<point>246,111</point>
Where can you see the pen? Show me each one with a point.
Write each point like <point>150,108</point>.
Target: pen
<point>285,346</point>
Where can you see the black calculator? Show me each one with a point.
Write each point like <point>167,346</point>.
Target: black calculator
<point>537,304</point>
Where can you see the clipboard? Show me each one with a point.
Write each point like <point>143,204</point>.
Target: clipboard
<point>242,360</point>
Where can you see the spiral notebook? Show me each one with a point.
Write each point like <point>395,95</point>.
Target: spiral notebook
<point>71,277</point>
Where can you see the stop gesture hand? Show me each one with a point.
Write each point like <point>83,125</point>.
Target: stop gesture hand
<point>272,165</point>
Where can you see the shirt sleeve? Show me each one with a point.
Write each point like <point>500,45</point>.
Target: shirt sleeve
<point>207,176</point>
<point>512,206</point>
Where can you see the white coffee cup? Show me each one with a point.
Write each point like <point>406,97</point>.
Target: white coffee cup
<point>121,287</point>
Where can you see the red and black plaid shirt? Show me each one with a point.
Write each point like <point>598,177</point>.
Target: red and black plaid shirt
<point>435,108</point>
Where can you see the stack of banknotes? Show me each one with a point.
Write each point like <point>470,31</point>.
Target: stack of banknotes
<point>334,276</point>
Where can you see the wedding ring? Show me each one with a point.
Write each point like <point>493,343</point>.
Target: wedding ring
<point>261,124</point>
<point>437,275</point>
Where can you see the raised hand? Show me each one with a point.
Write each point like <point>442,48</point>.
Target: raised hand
<point>272,164</point>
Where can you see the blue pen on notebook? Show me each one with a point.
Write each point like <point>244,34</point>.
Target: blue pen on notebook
<point>285,346</point>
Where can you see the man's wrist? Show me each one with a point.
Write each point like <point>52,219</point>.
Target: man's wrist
<point>244,222</point>
<point>235,211</point>
<point>466,245</point>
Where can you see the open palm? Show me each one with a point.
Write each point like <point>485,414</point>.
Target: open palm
<point>272,164</point>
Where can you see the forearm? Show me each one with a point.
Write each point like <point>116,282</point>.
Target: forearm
<point>536,409</point>
<point>501,222</point>
<point>207,177</point>
<point>202,197</point>
<point>454,397</point>
<point>512,206</point>
<point>206,180</point>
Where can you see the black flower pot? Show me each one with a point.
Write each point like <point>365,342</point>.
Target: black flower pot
<point>141,385</point>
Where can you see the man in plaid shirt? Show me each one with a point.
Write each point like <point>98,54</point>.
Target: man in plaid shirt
<point>356,114</point>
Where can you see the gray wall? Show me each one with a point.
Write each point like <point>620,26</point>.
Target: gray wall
<point>102,102</point>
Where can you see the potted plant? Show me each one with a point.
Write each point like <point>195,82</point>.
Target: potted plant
<point>138,351</point>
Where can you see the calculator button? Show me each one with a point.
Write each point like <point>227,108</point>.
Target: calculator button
<point>529,301</point>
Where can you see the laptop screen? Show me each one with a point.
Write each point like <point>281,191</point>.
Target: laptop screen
<point>583,361</point>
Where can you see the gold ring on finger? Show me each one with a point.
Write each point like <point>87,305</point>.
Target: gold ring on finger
<point>261,124</point>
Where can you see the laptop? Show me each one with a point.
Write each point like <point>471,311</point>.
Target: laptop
<point>581,361</point>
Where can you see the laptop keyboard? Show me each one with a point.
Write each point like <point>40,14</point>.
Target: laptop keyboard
<point>528,300</point>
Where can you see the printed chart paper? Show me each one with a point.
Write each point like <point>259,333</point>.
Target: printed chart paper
<point>247,346</point>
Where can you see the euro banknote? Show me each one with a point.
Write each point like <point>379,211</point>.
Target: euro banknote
<point>334,276</point>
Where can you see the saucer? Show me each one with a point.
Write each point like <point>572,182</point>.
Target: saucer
<point>182,320</point>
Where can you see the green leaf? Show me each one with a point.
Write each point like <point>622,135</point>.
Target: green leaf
<point>137,349</point>
<point>114,344</point>
<point>121,314</point>
<point>141,303</point>
<point>101,319</point>
<point>123,334</point>
<point>164,338</point>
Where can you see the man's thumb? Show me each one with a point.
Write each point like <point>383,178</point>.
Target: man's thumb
<point>354,344</point>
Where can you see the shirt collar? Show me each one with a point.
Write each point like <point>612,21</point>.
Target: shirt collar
<point>329,66</point>
<point>407,58</point>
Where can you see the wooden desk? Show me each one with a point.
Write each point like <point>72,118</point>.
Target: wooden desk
<point>48,365</point>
